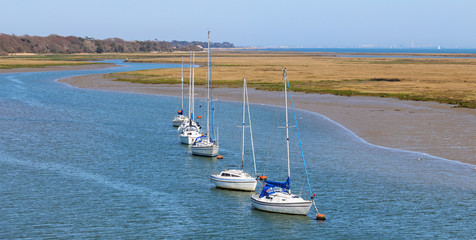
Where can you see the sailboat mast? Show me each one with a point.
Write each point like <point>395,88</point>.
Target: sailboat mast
<point>287,123</point>
<point>208,88</point>
<point>211,89</point>
<point>193,84</point>
<point>182,85</point>
<point>190,91</point>
<point>243,127</point>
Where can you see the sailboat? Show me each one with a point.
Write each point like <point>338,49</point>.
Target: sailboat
<point>237,179</point>
<point>190,130</point>
<point>277,196</point>
<point>180,118</point>
<point>205,145</point>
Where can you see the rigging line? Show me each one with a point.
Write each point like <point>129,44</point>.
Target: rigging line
<point>270,139</point>
<point>299,137</point>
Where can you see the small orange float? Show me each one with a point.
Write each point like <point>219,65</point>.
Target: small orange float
<point>219,157</point>
<point>321,217</point>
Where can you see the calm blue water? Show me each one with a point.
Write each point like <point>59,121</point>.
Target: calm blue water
<point>95,164</point>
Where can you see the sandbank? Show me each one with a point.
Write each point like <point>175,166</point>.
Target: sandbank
<point>427,127</point>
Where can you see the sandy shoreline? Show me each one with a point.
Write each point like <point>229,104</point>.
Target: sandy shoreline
<point>427,127</point>
<point>59,68</point>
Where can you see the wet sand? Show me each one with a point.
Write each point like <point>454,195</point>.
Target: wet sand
<point>427,127</point>
<point>59,68</point>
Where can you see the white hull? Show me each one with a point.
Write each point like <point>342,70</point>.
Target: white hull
<point>234,180</point>
<point>188,139</point>
<point>178,120</point>
<point>207,151</point>
<point>176,123</point>
<point>234,185</point>
<point>282,203</point>
<point>189,134</point>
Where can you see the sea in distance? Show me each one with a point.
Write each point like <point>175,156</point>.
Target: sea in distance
<point>389,52</point>
<point>77,163</point>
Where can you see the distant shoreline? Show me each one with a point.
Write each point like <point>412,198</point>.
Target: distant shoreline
<point>427,127</point>
<point>377,52</point>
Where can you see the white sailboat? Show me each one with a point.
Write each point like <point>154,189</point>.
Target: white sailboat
<point>180,118</point>
<point>205,145</point>
<point>237,179</point>
<point>277,196</point>
<point>190,130</point>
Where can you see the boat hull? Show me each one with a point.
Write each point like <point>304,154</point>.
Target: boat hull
<point>178,120</point>
<point>177,123</point>
<point>207,151</point>
<point>189,139</point>
<point>296,206</point>
<point>234,184</point>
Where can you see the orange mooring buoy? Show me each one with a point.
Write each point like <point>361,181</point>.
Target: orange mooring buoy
<point>321,217</point>
<point>262,178</point>
<point>219,157</point>
<point>199,117</point>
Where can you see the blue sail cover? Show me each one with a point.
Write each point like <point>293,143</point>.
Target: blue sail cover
<point>267,190</point>
<point>199,139</point>
<point>269,187</point>
<point>284,185</point>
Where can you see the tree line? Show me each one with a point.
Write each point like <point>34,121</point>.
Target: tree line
<point>71,44</point>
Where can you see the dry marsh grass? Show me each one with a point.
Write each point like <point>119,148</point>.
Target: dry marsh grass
<point>445,80</point>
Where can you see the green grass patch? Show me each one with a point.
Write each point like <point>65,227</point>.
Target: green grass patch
<point>385,80</point>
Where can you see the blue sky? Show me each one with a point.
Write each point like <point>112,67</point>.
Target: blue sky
<point>296,23</point>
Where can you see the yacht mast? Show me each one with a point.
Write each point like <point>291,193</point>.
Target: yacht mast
<point>208,89</point>
<point>182,85</point>
<point>287,124</point>
<point>193,84</point>
<point>243,127</point>
<point>190,91</point>
<point>211,91</point>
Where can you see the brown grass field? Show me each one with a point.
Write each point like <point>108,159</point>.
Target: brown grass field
<point>444,80</point>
